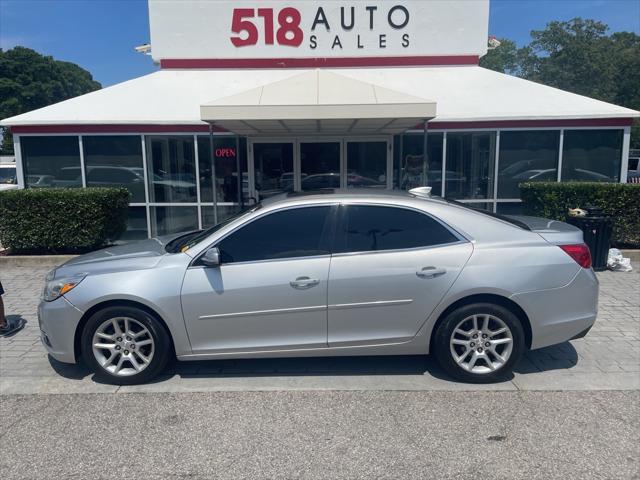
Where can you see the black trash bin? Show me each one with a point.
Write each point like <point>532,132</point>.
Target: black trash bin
<point>597,230</point>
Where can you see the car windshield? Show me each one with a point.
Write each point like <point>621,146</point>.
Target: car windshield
<point>504,218</point>
<point>191,239</point>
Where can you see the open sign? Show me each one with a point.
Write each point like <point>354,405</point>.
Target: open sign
<point>225,152</point>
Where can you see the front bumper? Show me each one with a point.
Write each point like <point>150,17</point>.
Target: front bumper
<point>561,314</point>
<point>58,322</point>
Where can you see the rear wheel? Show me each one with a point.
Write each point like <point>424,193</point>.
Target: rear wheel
<point>479,343</point>
<point>125,345</point>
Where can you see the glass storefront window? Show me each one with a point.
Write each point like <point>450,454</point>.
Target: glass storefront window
<point>411,165</point>
<point>509,208</point>
<point>171,169</point>
<point>367,164</point>
<point>592,155</point>
<point>320,165</point>
<point>273,168</point>
<point>224,212</point>
<point>225,151</point>
<point>136,224</point>
<point>114,161</point>
<point>470,165</point>
<point>51,161</point>
<point>168,220</point>
<point>526,156</point>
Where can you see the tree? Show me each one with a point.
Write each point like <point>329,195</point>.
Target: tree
<point>29,80</point>
<point>578,56</point>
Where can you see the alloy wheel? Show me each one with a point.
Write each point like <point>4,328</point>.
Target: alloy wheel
<point>123,346</point>
<point>481,343</point>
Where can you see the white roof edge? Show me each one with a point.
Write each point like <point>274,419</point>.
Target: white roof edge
<point>462,94</point>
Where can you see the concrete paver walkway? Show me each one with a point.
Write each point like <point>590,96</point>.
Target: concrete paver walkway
<point>607,359</point>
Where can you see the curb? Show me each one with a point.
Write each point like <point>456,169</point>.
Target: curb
<point>634,255</point>
<point>34,260</point>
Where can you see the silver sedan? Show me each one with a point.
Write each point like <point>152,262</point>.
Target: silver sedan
<point>326,274</point>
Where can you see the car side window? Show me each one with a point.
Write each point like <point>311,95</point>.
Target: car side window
<point>375,228</point>
<point>288,233</point>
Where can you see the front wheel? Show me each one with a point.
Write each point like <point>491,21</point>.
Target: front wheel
<point>479,343</point>
<point>125,345</point>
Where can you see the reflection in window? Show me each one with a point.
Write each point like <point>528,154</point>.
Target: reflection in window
<point>225,151</point>
<point>168,220</point>
<point>320,165</point>
<point>527,156</point>
<point>412,168</point>
<point>224,212</point>
<point>367,164</point>
<point>8,175</point>
<point>273,167</point>
<point>470,165</point>
<point>51,161</point>
<point>172,169</point>
<point>115,161</point>
<point>592,155</point>
<point>285,234</point>
<point>509,208</point>
<point>368,228</point>
<point>136,223</point>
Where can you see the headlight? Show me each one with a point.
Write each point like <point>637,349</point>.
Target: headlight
<point>57,287</point>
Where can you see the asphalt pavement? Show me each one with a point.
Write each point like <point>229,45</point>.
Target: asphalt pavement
<point>331,434</point>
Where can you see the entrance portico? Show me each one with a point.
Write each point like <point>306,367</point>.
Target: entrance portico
<point>318,129</point>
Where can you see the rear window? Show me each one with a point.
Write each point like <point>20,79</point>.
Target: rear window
<point>366,228</point>
<point>469,206</point>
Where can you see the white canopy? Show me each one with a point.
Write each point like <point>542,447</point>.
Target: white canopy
<point>462,93</point>
<point>318,102</point>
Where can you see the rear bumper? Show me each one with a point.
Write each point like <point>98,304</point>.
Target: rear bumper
<point>58,321</point>
<point>561,314</point>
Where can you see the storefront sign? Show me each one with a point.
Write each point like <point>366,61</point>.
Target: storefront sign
<point>257,29</point>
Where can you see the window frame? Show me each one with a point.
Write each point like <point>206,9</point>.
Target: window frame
<point>342,215</point>
<point>327,237</point>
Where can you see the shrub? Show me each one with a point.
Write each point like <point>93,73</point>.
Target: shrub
<point>618,200</point>
<point>62,220</point>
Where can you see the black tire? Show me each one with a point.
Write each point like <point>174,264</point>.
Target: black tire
<point>442,339</point>
<point>161,345</point>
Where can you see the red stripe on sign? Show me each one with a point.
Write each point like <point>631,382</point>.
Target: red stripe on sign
<point>170,63</point>
<point>570,122</point>
<point>139,128</point>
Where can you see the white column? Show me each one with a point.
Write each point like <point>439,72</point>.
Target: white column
<point>495,172</point>
<point>197,160</point>
<point>19,167</point>
<point>444,163</point>
<point>626,142</point>
<point>559,178</point>
<point>83,173</point>
<point>146,185</point>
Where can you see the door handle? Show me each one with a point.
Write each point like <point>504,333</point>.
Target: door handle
<point>302,283</point>
<point>430,272</point>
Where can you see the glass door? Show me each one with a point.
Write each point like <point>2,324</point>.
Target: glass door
<point>368,164</point>
<point>273,168</point>
<point>320,162</point>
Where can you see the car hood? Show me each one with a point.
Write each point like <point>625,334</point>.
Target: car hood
<point>131,256</point>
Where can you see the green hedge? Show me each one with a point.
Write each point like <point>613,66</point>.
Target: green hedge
<point>62,220</point>
<point>618,200</point>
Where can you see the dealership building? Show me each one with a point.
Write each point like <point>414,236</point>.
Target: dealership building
<point>255,98</point>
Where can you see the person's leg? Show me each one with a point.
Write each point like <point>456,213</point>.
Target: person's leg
<point>3,320</point>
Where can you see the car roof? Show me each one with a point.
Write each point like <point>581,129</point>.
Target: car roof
<point>343,194</point>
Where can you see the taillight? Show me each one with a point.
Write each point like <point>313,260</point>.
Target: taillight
<point>580,253</point>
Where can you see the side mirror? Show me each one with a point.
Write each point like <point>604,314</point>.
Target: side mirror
<point>211,257</point>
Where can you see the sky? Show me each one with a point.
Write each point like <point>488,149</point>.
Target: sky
<point>99,35</point>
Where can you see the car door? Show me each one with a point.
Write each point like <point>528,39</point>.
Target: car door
<point>270,290</point>
<point>390,269</point>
